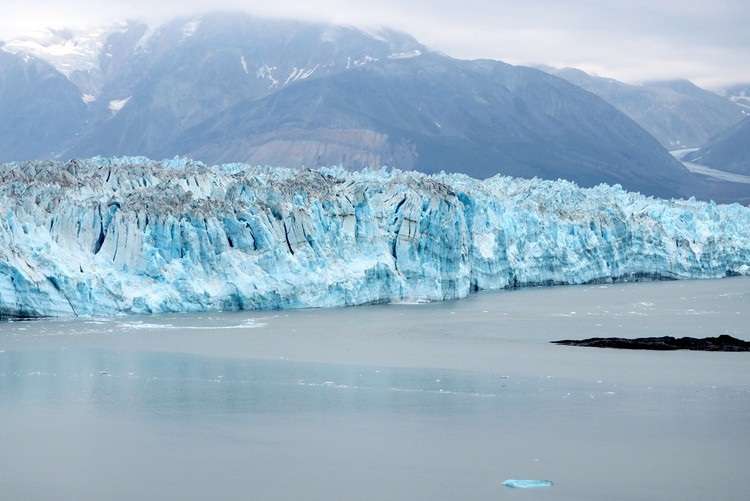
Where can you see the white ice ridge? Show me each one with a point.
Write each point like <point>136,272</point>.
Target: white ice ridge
<point>109,235</point>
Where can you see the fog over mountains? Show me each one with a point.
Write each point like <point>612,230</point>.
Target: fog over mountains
<point>229,87</point>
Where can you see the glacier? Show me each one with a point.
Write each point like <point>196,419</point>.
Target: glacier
<point>131,235</point>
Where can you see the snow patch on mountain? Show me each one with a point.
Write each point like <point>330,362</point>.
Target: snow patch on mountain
<point>361,61</point>
<point>742,100</point>
<point>300,74</point>
<point>190,28</point>
<point>116,105</point>
<point>266,72</point>
<point>406,55</point>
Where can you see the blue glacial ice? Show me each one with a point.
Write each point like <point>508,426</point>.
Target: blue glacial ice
<point>112,235</point>
<point>527,484</point>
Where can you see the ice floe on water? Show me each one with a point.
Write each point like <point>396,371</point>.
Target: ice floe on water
<point>249,323</point>
<point>527,484</point>
<point>396,389</point>
<point>411,302</point>
<point>694,312</point>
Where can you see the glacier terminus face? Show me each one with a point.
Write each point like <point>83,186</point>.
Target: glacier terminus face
<point>131,235</point>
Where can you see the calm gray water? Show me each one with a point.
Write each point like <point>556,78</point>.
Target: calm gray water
<point>399,402</point>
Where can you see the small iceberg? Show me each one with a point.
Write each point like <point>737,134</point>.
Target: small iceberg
<point>527,484</point>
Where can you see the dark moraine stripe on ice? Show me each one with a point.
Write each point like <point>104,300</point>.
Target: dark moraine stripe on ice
<point>664,343</point>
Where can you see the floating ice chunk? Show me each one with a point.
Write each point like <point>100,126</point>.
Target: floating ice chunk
<point>527,484</point>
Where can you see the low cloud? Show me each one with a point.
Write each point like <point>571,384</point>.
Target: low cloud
<point>633,40</point>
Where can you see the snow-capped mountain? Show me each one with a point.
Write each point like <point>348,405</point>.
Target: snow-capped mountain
<point>190,69</point>
<point>434,113</point>
<point>84,56</point>
<point>75,54</point>
<point>130,235</point>
<point>232,87</point>
<point>676,112</point>
<point>268,50</point>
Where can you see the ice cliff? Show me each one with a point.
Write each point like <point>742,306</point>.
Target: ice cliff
<point>111,235</point>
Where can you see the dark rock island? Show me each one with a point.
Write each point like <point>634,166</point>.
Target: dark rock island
<point>664,343</point>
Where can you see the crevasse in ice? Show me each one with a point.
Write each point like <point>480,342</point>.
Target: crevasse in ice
<point>111,235</point>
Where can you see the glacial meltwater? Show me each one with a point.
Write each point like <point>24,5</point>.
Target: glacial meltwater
<point>438,401</point>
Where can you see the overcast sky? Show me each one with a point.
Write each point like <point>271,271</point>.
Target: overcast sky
<point>632,40</point>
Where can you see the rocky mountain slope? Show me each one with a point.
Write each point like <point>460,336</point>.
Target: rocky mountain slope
<point>40,109</point>
<point>434,113</point>
<point>676,112</point>
<point>740,95</point>
<point>729,151</point>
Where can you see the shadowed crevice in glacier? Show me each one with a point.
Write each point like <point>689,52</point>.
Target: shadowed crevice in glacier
<point>110,235</point>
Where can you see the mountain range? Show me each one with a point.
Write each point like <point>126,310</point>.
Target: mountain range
<point>676,112</point>
<point>227,87</point>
